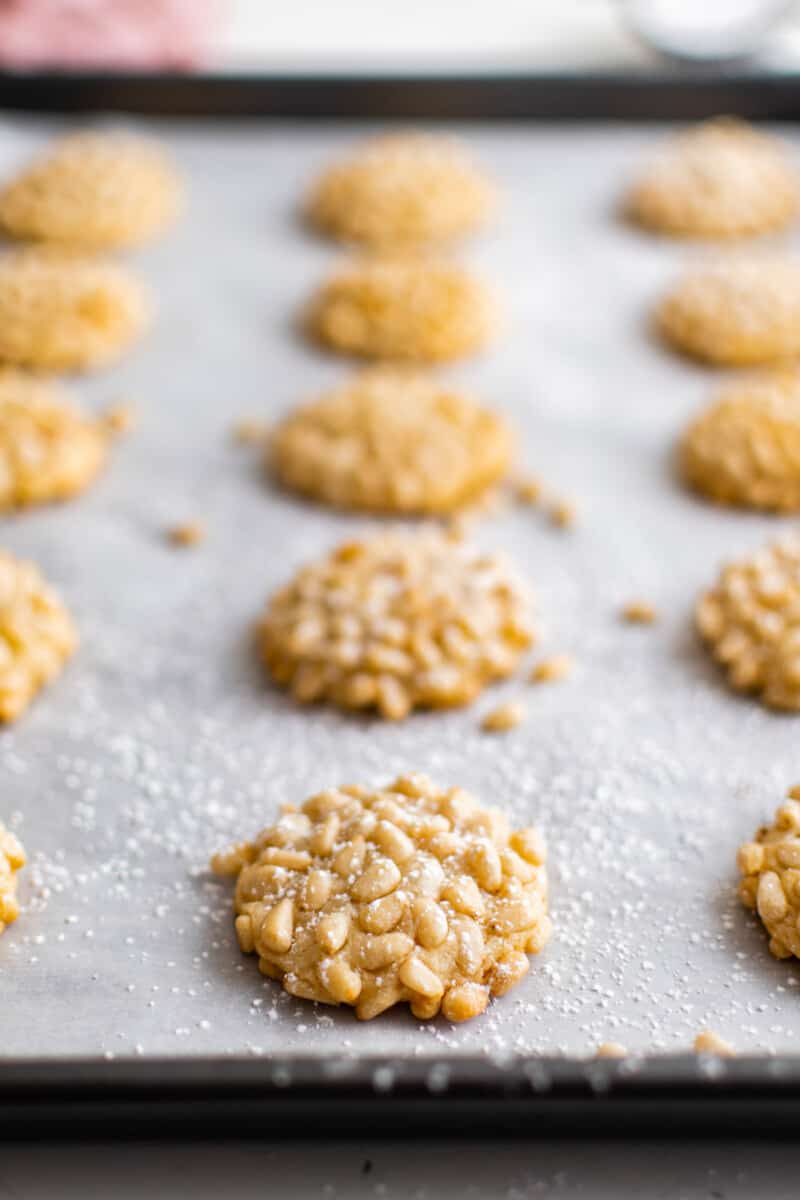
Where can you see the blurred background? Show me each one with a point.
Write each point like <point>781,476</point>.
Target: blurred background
<point>395,35</point>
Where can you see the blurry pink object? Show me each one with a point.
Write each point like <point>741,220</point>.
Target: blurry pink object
<point>121,34</point>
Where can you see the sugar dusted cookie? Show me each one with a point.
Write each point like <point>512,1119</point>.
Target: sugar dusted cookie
<point>49,449</point>
<point>402,189</point>
<point>12,859</point>
<point>735,312</point>
<point>721,179</point>
<point>37,635</point>
<point>94,190</point>
<point>770,868</point>
<point>61,311</point>
<point>403,308</point>
<point>392,441</point>
<point>397,621</point>
<point>375,897</point>
<point>745,448</point>
<point>751,621</point>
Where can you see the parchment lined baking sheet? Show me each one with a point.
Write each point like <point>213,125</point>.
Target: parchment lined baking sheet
<point>163,741</point>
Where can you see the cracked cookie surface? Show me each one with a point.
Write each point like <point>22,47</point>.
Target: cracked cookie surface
<point>12,859</point>
<point>402,189</point>
<point>770,884</point>
<point>751,621</point>
<point>392,440</point>
<point>745,448</point>
<point>402,308</point>
<point>37,635</point>
<point>49,448</point>
<point>62,311</point>
<point>721,179</point>
<point>409,893</point>
<point>735,312</point>
<point>395,622</point>
<point>93,190</point>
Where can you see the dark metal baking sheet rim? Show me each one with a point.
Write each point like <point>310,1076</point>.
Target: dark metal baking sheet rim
<point>676,94</point>
<point>309,1097</point>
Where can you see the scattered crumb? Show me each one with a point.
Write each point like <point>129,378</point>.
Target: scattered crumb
<point>639,612</point>
<point>120,418</point>
<point>189,534</point>
<point>504,717</point>
<point>562,513</point>
<point>611,1050</point>
<point>528,490</point>
<point>708,1042</point>
<point>550,670</point>
<point>250,431</point>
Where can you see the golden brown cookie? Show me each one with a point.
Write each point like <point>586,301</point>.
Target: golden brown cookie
<point>406,893</point>
<point>12,859</point>
<point>404,189</point>
<point>60,311</point>
<point>49,449</point>
<point>735,312</point>
<point>751,621</point>
<point>403,308</point>
<point>392,441</point>
<point>93,190</point>
<point>745,448</point>
<point>397,621</point>
<point>770,868</point>
<point>37,635</point>
<point>721,179</point>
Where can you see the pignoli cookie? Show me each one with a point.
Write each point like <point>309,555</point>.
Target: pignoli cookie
<point>375,897</point>
<point>770,884</point>
<point>49,449</point>
<point>397,621</point>
<point>94,190</point>
<point>721,179</point>
<point>392,440</point>
<point>61,311</point>
<point>745,448</point>
<point>403,308</point>
<point>37,635</point>
<point>12,859</point>
<point>735,312</point>
<point>751,621</point>
<point>404,189</point>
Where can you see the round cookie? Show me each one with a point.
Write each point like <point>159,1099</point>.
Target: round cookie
<point>770,868</point>
<point>94,190</point>
<point>37,635</point>
<point>61,311</point>
<point>721,179</point>
<point>392,441</point>
<point>49,449</point>
<point>375,897</point>
<point>12,859</point>
<point>751,621</point>
<point>402,189</point>
<point>397,621</point>
<point>745,448</point>
<point>735,312</point>
<point>403,308</point>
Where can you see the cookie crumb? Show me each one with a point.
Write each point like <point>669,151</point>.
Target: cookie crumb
<point>552,669</point>
<point>504,717</point>
<point>708,1042</point>
<point>563,513</point>
<point>250,431</point>
<point>528,490</point>
<point>611,1050</point>
<point>639,612</point>
<point>191,533</point>
<point>120,418</point>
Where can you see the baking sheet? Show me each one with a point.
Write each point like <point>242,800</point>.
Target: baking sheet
<point>163,741</point>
